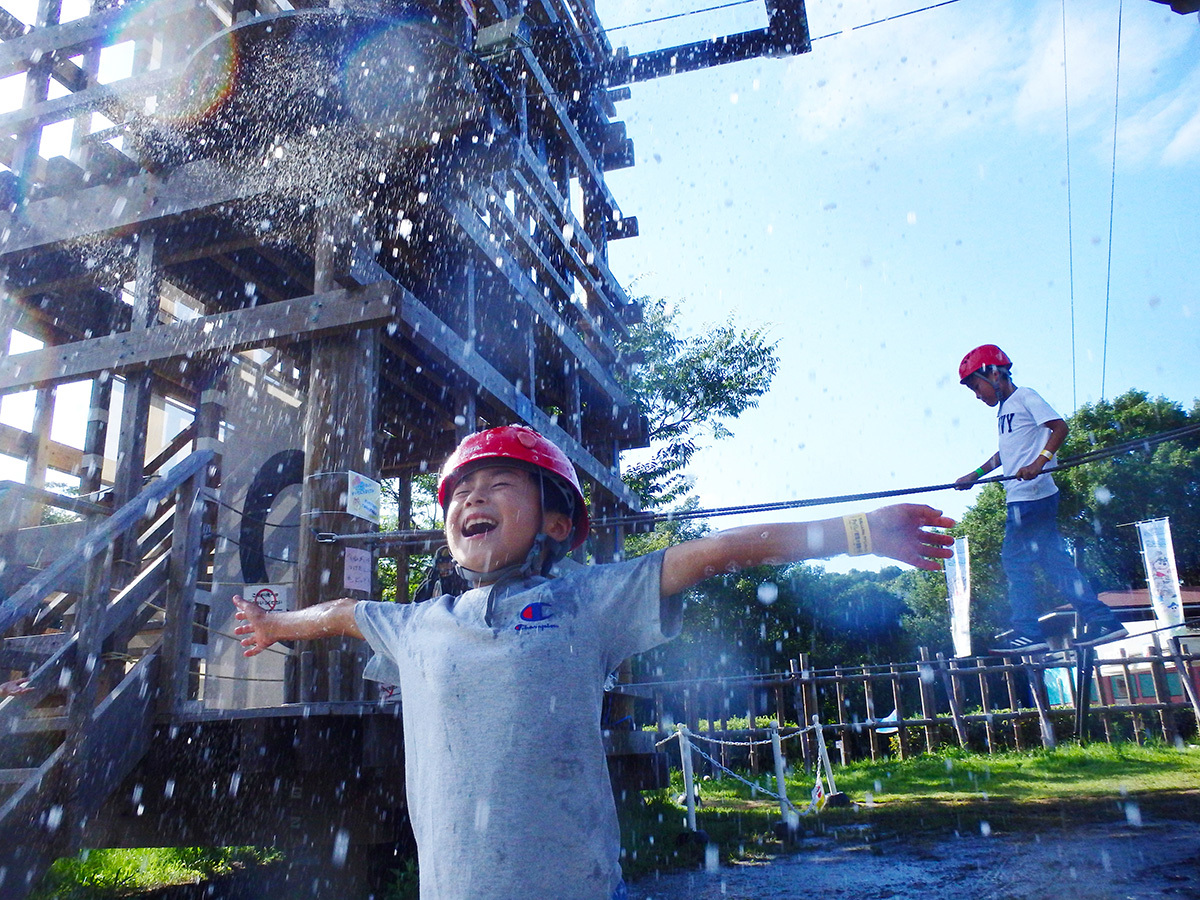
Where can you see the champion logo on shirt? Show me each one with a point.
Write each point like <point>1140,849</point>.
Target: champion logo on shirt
<point>534,616</point>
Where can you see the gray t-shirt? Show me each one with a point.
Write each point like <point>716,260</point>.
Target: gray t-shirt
<point>507,781</point>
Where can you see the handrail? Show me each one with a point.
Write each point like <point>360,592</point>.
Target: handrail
<point>96,541</point>
<point>59,501</point>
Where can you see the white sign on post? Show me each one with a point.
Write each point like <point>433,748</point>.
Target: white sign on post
<point>1158,555</point>
<point>357,570</point>
<point>363,497</point>
<point>958,585</point>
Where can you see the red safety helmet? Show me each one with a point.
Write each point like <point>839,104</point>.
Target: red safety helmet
<point>983,355</point>
<point>521,444</point>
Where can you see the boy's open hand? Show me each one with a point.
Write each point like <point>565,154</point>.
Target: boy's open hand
<point>901,532</point>
<point>254,624</point>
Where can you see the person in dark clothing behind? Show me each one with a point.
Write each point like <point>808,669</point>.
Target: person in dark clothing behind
<point>441,579</point>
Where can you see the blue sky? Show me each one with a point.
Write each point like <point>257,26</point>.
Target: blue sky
<point>898,196</point>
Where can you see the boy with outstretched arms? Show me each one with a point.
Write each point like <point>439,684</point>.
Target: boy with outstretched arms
<point>1030,433</point>
<point>502,687</point>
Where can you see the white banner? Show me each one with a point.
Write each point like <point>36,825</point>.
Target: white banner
<point>1158,554</point>
<point>958,585</point>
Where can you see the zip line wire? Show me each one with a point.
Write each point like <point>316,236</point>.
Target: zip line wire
<point>652,518</point>
<point>1070,228</point>
<point>1112,196</point>
<point>1093,456</point>
<point>708,9</point>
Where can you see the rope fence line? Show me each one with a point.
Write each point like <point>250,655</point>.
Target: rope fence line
<point>788,811</point>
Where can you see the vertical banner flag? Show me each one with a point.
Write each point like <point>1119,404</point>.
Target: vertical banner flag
<point>1158,554</point>
<point>958,585</point>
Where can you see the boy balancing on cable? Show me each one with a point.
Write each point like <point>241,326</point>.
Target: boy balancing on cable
<point>1030,434</point>
<point>507,783</point>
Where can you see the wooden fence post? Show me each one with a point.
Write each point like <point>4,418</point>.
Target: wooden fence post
<point>1011,684</point>
<point>928,709</point>
<point>901,730</point>
<point>1162,695</point>
<point>953,692</point>
<point>840,688</point>
<point>1135,718</point>
<point>869,696</point>
<point>1184,670</point>
<point>986,702</point>
<point>1037,687</point>
<point>750,723</point>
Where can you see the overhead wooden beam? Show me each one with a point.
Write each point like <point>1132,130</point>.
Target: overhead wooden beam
<point>108,208</point>
<point>244,329</point>
<point>430,331</point>
<point>101,29</point>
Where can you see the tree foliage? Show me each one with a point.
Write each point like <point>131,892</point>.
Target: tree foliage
<point>689,387</point>
<point>759,619</point>
<point>1100,499</point>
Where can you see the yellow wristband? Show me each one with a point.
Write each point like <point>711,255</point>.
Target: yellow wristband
<point>1047,454</point>
<point>858,534</point>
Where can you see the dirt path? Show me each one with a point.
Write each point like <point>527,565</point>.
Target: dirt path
<point>1092,862</point>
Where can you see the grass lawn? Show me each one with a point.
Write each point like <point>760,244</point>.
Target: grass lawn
<point>930,794</point>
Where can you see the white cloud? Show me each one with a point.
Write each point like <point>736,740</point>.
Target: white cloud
<point>944,71</point>
<point>1184,147</point>
<point>924,76</point>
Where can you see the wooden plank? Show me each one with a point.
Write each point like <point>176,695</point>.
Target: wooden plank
<point>243,329</point>
<point>536,169</point>
<point>550,94</point>
<point>101,29</point>
<point>108,208</point>
<point>432,332</point>
<point>103,96</point>
<point>118,736</point>
<point>477,231</point>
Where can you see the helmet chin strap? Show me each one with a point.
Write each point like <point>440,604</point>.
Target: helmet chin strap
<point>542,555</point>
<point>537,562</point>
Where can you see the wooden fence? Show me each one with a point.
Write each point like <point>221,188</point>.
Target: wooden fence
<point>899,709</point>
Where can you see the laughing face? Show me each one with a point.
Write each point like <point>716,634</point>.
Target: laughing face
<point>494,514</point>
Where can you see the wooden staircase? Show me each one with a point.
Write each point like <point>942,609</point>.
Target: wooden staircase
<point>123,594</point>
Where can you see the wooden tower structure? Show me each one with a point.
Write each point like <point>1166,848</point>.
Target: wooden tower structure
<point>286,251</point>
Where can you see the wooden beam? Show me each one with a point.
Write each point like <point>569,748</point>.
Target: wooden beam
<point>435,334</point>
<point>59,457</point>
<point>243,329</point>
<point>108,208</point>
<point>101,29</point>
<point>532,294</point>
<point>102,96</point>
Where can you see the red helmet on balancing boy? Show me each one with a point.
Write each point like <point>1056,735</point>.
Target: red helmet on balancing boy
<point>519,444</point>
<point>983,355</point>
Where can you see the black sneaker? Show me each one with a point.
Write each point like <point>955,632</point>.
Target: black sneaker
<point>1101,633</point>
<point>1017,644</point>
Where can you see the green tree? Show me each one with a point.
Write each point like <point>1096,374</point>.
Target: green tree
<point>1100,499</point>
<point>690,387</point>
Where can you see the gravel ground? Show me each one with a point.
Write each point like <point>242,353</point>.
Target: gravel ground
<point>1092,862</point>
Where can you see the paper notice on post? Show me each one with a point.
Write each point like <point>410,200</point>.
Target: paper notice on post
<point>357,570</point>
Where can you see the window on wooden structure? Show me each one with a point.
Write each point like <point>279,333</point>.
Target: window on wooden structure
<point>1145,685</point>
<point>1174,685</point>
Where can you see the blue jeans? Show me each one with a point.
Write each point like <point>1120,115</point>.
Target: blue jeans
<point>1031,538</point>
